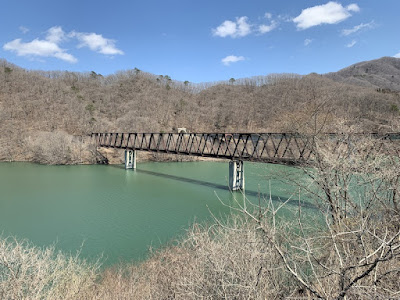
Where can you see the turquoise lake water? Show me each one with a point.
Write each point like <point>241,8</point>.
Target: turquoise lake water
<point>120,213</point>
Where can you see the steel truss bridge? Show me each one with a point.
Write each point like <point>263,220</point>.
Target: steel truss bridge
<point>278,148</point>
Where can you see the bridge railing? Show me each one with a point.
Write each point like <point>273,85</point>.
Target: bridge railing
<point>289,148</point>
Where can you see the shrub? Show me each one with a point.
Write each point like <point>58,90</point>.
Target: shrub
<point>29,272</point>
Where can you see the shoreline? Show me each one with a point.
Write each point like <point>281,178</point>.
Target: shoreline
<point>115,161</point>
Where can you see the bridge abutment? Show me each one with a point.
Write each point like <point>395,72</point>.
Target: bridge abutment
<point>130,159</point>
<point>236,175</point>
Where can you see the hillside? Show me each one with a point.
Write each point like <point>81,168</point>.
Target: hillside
<point>41,113</point>
<point>383,73</point>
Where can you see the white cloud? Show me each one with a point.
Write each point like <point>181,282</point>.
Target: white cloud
<point>96,42</point>
<point>66,56</point>
<point>243,27</point>
<point>267,28</point>
<point>268,15</point>
<point>285,18</point>
<point>353,7</point>
<point>45,48</point>
<point>307,42</point>
<point>231,59</point>
<point>55,35</point>
<point>239,28</point>
<point>397,55</point>
<point>329,13</point>
<point>23,29</point>
<point>227,28</point>
<point>38,48</point>
<point>358,28</point>
<point>50,45</point>
<point>351,44</point>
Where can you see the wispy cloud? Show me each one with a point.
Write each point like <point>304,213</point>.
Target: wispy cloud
<point>234,29</point>
<point>397,55</point>
<point>351,44</point>
<point>232,59</point>
<point>37,47</point>
<point>307,42</point>
<point>267,28</point>
<point>241,27</point>
<point>264,28</point>
<point>357,28</point>
<point>43,48</point>
<point>268,15</point>
<point>353,7</point>
<point>23,29</point>
<point>97,43</point>
<point>329,13</point>
<point>285,18</point>
<point>55,36</point>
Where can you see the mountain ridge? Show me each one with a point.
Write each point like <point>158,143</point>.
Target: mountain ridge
<point>41,112</point>
<point>382,73</point>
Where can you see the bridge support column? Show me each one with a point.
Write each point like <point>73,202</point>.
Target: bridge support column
<point>130,159</point>
<point>236,175</point>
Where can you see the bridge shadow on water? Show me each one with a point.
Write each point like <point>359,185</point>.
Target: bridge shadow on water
<point>293,203</point>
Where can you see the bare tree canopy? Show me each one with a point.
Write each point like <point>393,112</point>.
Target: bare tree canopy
<point>133,100</point>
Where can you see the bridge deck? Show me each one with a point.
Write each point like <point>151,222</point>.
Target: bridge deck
<point>282,148</point>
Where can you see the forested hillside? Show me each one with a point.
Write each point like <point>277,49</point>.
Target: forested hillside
<point>383,73</point>
<point>43,114</point>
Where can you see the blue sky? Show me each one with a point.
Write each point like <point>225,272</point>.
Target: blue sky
<point>198,40</point>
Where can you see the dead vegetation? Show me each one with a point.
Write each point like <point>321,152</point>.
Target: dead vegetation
<point>382,73</point>
<point>345,245</point>
<point>134,101</point>
<point>348,247</point>
<point>29,272</point>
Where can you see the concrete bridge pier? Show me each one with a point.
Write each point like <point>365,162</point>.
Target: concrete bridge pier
<point>236,175</point>
<point>130,159</point>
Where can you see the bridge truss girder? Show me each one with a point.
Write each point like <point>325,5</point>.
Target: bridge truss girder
<point>282,148</point>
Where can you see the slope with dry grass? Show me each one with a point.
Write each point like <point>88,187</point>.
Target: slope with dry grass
<point>347,246</point>
<point>383,73</point>
<point>35,104</point>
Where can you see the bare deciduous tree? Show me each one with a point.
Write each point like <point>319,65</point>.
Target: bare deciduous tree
<point>352,247</point>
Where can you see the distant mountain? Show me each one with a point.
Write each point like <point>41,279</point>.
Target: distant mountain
<point>383,73</point>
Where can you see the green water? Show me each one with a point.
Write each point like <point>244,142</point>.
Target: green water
<point>120,213</point>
